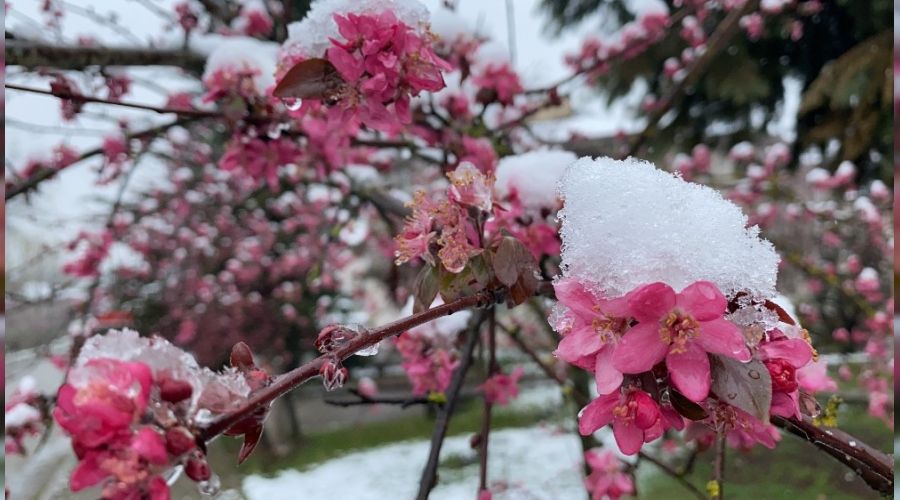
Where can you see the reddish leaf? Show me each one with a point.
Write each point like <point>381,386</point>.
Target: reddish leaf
<point>685,407</point>
<point>242,357</point>
<point>251,439</point>
<point>309,79</point>
<point>514,267</point>
<point>783,316</point>
<point>747,386</point>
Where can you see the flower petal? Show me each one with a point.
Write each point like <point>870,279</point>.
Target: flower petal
<point>639,349</point>
<point>572,294</point>
<point>647,413</point>
<point>651,302</point>
<point>579,342</point>
<point>629,436</point>
<point>689,371</point>
<point>608,378</point>
<point>797,352</point>
<point>720,336</point>
<point>703,301</point>
<point>597,414</point>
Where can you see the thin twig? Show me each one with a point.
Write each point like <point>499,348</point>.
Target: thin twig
<point>484,436</point>
<point>673,474</point>
<point>429,472</point>
<point>718,492</point>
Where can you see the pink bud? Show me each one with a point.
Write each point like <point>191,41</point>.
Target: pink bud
<point>174,391</point>
<point>333,375</point>
<point>179,441</point>
<point>197,468</point>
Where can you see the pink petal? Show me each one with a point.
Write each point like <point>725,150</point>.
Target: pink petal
<point>639,349</point>
<point>597,414</point>
<point>795,351</point>
<point>629,436</point>
<point>87,473</point>
<point>647,412</point>
<point>349,68</point>
<point>720,336</point>
<point>607,377</point>
<point>581,341</point>
<point>572,294</point>
<point>150,446</point>
<point>651,302</point>
<point>785,404</point>
<point>689,371</point>
<point>703,301</point>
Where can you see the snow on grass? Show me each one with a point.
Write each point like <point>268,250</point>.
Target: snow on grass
<point>536,462</point>
<point>626,223</point>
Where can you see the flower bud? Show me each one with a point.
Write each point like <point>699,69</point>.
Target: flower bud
<point>197,468</point>
<point>179,441</point>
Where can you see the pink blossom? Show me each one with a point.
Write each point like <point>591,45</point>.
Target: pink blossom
<point>814,377</point>
<point>591,330</point>
<point>259,159</point>
<point>501,388</point>
<point>608,478</point>
<point>632,412</point>
<point>680,328</point>
<point>468,186</point>
<point>497,82</point>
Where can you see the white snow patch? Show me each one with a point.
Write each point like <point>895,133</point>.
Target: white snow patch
<point>626,223</point>
<point>533,176</point>
<point>536,463</point>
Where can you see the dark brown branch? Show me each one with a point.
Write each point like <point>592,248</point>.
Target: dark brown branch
<point>31,55</point>
<point>294,378</point>
<point>146,107</point>
<point>47,173</point>
<point>366,401</point>
<point>429,472</point>
<point>484,436</point>
<point>873,466</point>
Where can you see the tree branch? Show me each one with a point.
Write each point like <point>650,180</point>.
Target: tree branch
<point>294,378</point>
<point>429,473</point>
<point>31,55</point>
<point>873,466</point>
<point>673,474</point>
<point>493,368</point>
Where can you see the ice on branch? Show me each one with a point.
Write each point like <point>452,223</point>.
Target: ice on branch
<point>627,223</point>
<point>311,37</point>
<point>532,177</point>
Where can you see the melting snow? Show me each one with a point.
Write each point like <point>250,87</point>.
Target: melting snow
<point>626,223</point>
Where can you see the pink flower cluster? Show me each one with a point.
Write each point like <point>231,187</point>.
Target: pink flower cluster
<point>501,388</point>
<point>260,159</point>
<point>443,229</point>
<point>25,410</point>
<point>634,38</point>
<point>428,364</point>
<point>130,406</point>
<point>654,330</point>
<point>608,479</point>
<point>96,248</point>
<point>383,63</point>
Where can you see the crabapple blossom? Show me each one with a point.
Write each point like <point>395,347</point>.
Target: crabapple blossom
<point>608,478</point>
<point>632,413</point>
<point>500,388</point>
<point>680,328</point>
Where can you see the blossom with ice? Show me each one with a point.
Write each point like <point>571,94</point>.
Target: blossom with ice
<point>130,404</point>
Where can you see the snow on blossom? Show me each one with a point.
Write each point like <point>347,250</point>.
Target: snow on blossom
<point>310,37</point>
<point>501,388</point>
<point>240,56</point>
<point>626,223</point>
<point>532,177</point>
<point>608,478</point>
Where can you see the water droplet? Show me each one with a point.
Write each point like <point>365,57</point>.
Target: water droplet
<point>852,444</point>
<point>369,351</point>
<point>210,487</point>
<point>173,474</point>
<point>294,104</point>
<point>732,395</point>
<point>754,374</point>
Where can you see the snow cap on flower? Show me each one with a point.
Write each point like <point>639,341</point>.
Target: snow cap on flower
<point>311,36</point>
<point>243,54</point>
<point>625,223</point>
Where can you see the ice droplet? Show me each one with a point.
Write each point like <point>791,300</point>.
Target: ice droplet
<point>210,487</point>
<point>852,444</point>
<point>732,395</point>
<point>369,351</point>
<point>754,374</point>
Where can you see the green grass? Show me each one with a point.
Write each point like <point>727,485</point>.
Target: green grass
<point>795,470</point>
<point>322,446</point>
